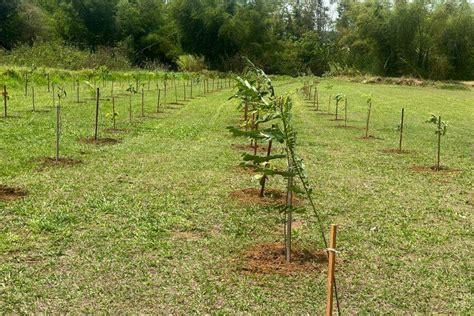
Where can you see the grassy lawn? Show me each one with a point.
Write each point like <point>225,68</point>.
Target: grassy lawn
<point>148,225</point>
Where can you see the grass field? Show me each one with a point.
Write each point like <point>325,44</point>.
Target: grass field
<point>148,225</point>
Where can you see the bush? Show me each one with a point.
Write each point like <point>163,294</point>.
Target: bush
<point>58,55</point>
<point>191,63</point>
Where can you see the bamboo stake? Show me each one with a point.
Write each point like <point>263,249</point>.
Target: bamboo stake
<point>113,113</point>
<point>5,101</point>
<point>96,132</point>
<point>345,112</point>
<point>158,101</point>
<point>289,206</point>
<point>143,102</point>
<point>401,130</point>
<point>438,154</point>
<point>331,268</point>
<point>33,97</point>
<point>58,127</point>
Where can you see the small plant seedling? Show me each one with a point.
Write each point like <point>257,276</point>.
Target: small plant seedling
<point>131,91</point>
<point>113,116</point>
<point>339,97</point>
<point>441,127</point>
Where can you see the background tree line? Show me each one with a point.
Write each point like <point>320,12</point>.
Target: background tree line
<point>423,38</point>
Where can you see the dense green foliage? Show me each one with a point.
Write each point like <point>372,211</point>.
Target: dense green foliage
<point>429,39</point>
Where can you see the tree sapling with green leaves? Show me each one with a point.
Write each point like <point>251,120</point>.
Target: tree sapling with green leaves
<point>441,127</point>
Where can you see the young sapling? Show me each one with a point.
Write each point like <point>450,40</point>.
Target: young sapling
<point>441,127</point>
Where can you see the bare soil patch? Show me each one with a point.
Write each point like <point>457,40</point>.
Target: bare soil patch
<point>8,194</point>
<point>270,258</point>
<point>252,196</point>
<point>100,141</point>
<point>248,147</point>
<point>434,170</point>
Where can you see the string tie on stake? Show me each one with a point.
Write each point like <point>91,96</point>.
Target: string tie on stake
<point>331,250</point>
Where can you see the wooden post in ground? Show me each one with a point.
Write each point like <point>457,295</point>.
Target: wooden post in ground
<point>96,132</point>
<point>368,121</point>
<point>184,90</point>
<point>33,97</point>
<point>58,127</point>
<point>78,91</point>
<point>345,111</point>
<point>5,101</point>
<point>401,130</point>
<point>143,101</point>
<point>49,83</point>
<point>331,267</point>
<point>288,212</point>
<point>114,113</point>
<point>438,154</point>
<point>158,101</point>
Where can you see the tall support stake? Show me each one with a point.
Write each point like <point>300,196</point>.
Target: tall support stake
<point>401,130</point>
<point>114,119</point>
<point>58,127</point>
<point>438,154</point>
<point>158,101</point>
<point>5,101</point>
<point>33,97</point>
<point>331,267</point>
<point>96,132</point>
<point>345,111</point>
<point>288,212</point>
<point>143,102</point>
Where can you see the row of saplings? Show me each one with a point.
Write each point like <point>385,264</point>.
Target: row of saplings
<point>58,93</point>
<point>310,91</point>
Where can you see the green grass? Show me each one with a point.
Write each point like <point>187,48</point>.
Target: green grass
<point>148,226</point>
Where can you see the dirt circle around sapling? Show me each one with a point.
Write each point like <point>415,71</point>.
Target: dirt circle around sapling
<point>249,147</point>
<point>434,170</point>
<point>396,151</point>
<point>9,194</point>
<point>272,197</point>
<point>269,258</point>
<point>100,141</point>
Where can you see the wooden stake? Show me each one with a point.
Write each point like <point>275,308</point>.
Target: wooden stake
<point>77,91</point>
<point>288,212</point>
<point>368,121</point>
<point>143,102</point>
<point>49,83</point>
<point>345,111</point>
<point>113,113</point>
<point>401,130</point>
<point>58,127</point>
<point>331,268</point>
<point>158,101</point>
<point>96,132</point>
<point>33,97</point>
<point>5,101</point>
<point>438,154</point>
